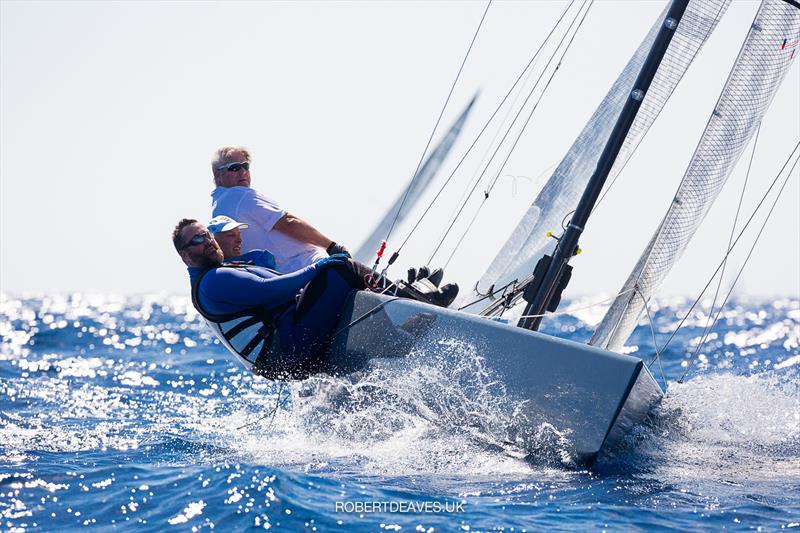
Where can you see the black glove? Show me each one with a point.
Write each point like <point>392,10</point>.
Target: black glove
<point>338,249</point>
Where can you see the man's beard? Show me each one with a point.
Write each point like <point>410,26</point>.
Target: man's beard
<point>207,261</point>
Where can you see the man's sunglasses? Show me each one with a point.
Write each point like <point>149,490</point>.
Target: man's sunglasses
<point>234,167</point>
<point>200,238</point>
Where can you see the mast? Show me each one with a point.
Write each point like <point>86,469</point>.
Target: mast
<point>752,83</point>
<point>554,277</point>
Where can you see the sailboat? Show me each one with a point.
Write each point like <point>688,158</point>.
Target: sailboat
<point>420,182</point>
<point>588,393</point>
<point>591,393</point>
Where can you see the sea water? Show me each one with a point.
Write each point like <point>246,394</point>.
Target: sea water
<point>124,413</point>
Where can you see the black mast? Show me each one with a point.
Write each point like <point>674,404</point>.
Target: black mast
<point>551,283</point>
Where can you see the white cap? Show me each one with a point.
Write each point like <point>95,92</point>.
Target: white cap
<point>223,223</point>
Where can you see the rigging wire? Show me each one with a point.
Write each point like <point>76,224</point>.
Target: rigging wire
<point>280,401</point>
<point>491,143</point>
<point>369,313</point>
<point>709,323</point>
<point>438,120</point>
<point>707,33</point>
<point>650,251</point>
<point>739,236</point>
<point>519,135</point>
<point>549,80</point>
<point>749,254</point>
<point>483,129</point>
<point>474,218</point>
<point>655,344</point>
<point>574,309</point>
<point>376,308</point>
<point>469,189</point>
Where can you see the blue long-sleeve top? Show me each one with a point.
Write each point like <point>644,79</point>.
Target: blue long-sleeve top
<point>262,258</point>
<point>229,290</point>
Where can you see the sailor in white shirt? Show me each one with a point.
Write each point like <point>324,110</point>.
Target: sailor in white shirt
<point>294,242</point>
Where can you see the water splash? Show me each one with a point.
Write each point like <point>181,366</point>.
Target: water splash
<point>439,412</point>
<point>135,395</point>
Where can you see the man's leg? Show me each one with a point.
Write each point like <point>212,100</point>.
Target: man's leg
<point>305,336</point>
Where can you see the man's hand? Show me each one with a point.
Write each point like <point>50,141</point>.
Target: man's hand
<point>337,249</point>
<point>335,259</point>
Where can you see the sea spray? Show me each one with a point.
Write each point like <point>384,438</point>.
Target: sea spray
<point>440,411</point>
<point>123,412</point>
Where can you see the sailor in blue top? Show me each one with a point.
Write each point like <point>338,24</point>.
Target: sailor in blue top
<point>303,307</point>
<point>303,325</point>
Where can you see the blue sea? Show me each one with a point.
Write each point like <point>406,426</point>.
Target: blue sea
<point>123,413</point>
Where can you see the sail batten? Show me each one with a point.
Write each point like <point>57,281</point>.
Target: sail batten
<point>759,69</point>
<point>528,242</point>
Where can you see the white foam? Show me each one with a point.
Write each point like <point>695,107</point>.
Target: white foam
<point>726,426</point>
<point>443,413</point>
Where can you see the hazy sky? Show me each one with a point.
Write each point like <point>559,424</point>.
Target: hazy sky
<point>110,112</point>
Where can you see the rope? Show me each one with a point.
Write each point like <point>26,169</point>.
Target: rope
<point>491,294</point>
<point>749,254</point>
<point>519,135</point>
<point>382,304</point>
<point>365,315</point>
<point>438,120</point>
<point>472,222</point>
<point>566,311</point>
<point>463,235</point>
<point>483,129</point>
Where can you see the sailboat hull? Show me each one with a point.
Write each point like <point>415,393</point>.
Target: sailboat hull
<point>587,396</point>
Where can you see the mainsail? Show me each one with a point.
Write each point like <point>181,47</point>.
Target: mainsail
<point>528,242</point>
<point>419,183</point>
<point>762,64</point>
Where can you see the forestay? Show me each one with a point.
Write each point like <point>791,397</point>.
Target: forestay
<point>560,194</point>
<point>762,64</point>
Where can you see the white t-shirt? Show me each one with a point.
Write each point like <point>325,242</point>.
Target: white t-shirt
<point>244,204</point>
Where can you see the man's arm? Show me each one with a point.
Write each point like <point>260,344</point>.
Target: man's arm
<point>239,287</point>
<point>302,231</point>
